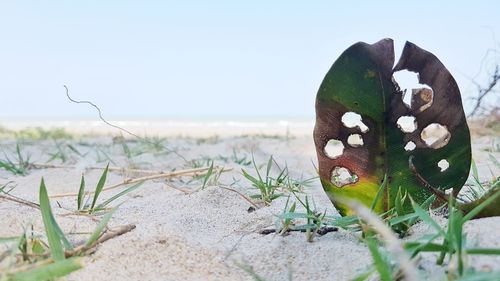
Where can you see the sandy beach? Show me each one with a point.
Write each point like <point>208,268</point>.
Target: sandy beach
<point>187,231</point>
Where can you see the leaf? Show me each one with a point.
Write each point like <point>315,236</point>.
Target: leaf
<point>118,195</point>
<point>100,227</point>
<point>81,194</point>
<point>99,186</point>
<point>399,203</point>
<point>380,191</point>
<point>475,174</point>
<point>208,175</point>
<point>381,264</point>
<point>425,247</point>
<point>49,271</point>
<point>483,251</point>
<point>424,216</point>
<point>487,205</point>
<point>8,239</point>
<point>360,82</point>
<point>51,227</point>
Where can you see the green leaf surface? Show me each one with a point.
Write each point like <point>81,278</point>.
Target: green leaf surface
<point>381,264</point>
<point>81,194</point>
<point>118,195</point>
<point>100,228</point>
<point>99,186</point>
<point>51,228</point>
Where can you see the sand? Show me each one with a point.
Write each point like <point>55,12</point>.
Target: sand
<point>206,234</point>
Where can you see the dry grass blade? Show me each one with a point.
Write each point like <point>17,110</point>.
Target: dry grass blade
<point>187,172</point>
<point>111,169</point>
<point>19,200</point>
<point>249,200</point>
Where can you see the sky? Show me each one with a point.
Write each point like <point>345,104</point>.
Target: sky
<point>227,59</point>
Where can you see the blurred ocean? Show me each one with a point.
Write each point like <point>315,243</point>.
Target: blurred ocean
<point>172,126</point>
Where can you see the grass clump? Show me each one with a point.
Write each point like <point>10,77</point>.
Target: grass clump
<point>19,165</point>
<point>63,152</point>
<point>39,133</point>
<point>30,258</point>
<point>85,205</point>
<point>453,244</point>
<point>271,187</point>
<point>268,185</point>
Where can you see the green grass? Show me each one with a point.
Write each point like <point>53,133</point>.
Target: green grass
<point>63,152</point>
<point>36,133</point>
<point>45,261</point>
<point>19,165</point>
<point>102,156</point>
<point>452,246</point>
<point>82,202</point>
<point>271,186</point>
<point>267,185</point>
<point>477,188</point>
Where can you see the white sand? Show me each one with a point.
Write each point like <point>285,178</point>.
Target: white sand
<point>200,236</point>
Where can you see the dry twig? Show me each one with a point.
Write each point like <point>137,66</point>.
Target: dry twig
<point>484,91</point>
<point>19,200</point>
<point>108,234</point>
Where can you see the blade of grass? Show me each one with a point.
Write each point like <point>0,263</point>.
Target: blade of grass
<point>475,174</point>
<point>398,202</point>
<point>380,263</point>
<point>8,239</point>
<point>480,207</point>
<point>81,193</point>
<point>425,247</point>
<point>256,168</point>
<point>268,169</point>
<point>483,251</point>
<point>401,219</point>
<point>48,272</point>
<point>364,275</point>
<point>424,216</point>
<point>118,195</point>
<point>455,226</point>
<point>99,186</point>
<point>208,175</point>
<point>100,227</point>
<point>379,193</point>
<point>53,237</point>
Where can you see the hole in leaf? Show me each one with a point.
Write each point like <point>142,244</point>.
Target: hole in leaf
<point>407,124</point>
<point>342,176</point>
<point>443,165</point>
<point>352,120</point>
<point>435,135</point>
<point>410,146</point>
<point>422,98</point>
<point>414,94</point>
<point>334,148</point>
<point>355,140</point>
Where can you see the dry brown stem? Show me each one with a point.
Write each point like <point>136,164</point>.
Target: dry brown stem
<point>187,172</point>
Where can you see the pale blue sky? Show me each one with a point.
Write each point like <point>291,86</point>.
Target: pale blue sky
<point>213,58</point>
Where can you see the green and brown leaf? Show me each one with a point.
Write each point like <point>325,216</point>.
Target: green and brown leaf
<point>360,83</point>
